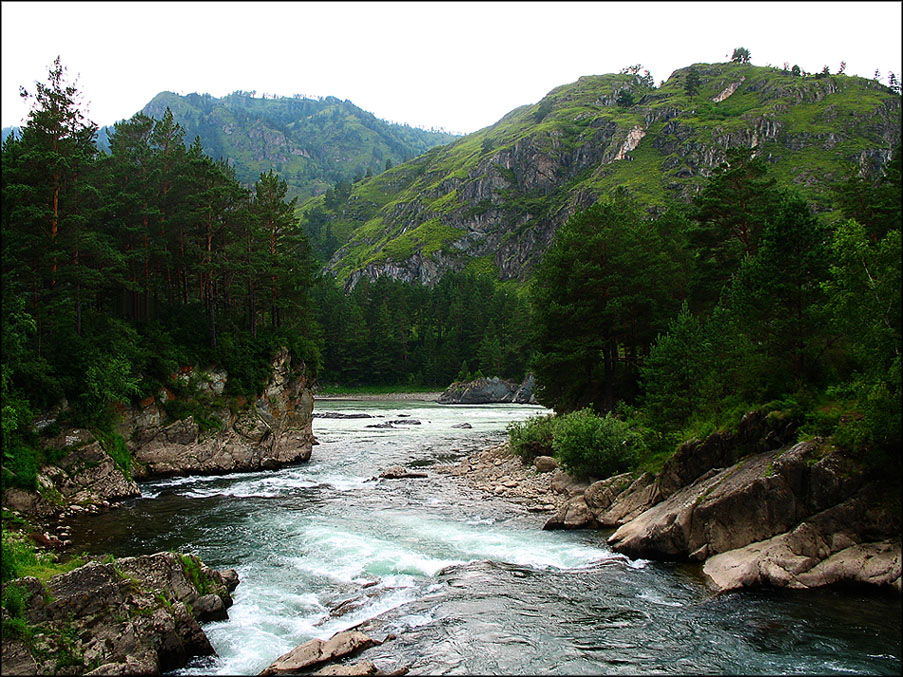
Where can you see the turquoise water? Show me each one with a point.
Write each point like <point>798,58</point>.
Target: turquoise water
<point>468,583</point>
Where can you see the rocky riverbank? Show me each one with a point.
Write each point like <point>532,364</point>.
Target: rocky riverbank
<point>133,616</point>
<point>140,615</point>
<point>796,515</point>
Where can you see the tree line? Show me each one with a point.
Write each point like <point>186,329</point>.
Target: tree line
<point>745,298</point>
<point>119,268</point>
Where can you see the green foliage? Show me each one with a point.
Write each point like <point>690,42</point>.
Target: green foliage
<point>594,316</point>
<point>149,261</point>
<point>591,446</point>
<point>740,55</point>
<point>531,438</point>
<point>337,138</point>
<point>192,568</point>
<point>13,602</point>
<point>114,445</point>
<point>692,83</point>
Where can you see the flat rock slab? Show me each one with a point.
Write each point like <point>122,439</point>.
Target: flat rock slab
<point>397,472</point>
<point>317,651</point>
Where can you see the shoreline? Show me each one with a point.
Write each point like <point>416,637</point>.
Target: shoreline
<point>367,397</point>
<point>497,471</point>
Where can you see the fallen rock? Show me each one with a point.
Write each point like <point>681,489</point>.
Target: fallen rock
<point>316,652</point>
<point>465,426</point>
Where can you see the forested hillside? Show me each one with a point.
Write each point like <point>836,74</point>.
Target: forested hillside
<point>312,144</point>
<point>492,200</point>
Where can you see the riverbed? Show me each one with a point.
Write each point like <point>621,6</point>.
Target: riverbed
<point>466,581</point>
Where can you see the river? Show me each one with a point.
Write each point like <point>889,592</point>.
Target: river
<point>469,583</point>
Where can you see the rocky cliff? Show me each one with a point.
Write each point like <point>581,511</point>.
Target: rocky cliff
<point>133,616</point>
<point>494,199</point>
<point>792,515</point>
<point>270,432</point>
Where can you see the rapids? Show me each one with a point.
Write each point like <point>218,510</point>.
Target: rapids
<point>469,583</point>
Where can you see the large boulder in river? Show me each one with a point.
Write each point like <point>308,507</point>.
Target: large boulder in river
<point>318,652</point>
<point>131,616</point>
<point>493,390</point>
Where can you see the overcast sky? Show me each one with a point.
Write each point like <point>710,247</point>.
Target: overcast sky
<point>457,66</point>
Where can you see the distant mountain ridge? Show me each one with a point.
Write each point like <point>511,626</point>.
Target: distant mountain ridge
<point>492,200</point>
<point>311,143</point>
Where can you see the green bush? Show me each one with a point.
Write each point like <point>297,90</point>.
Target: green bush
<point>589,445</point>
<point>531,438</point>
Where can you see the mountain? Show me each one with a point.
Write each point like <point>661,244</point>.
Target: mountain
<point>311,143</point>
<point>492,200</point>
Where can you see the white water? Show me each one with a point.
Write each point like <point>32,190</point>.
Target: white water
<point>469,583</point>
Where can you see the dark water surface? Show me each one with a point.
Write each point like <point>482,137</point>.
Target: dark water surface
<point>470,584</point>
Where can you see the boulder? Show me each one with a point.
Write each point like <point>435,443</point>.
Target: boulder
<point>545,464</point>
<point>316,652</point>
<point>575,514</point>
<point>397,472</point>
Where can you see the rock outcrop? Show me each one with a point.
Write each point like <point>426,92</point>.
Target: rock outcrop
<point>489,391</point>
<point>137,615</point>
<point>751,505</point>
<point>86,476</point>
<point>272,432</point>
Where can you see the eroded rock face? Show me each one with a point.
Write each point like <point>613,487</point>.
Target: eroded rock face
<point>795,517</point>
<point>274,432</point>
<point>132,616</point>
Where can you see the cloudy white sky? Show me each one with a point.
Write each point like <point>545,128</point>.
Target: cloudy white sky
<point>457,66</point>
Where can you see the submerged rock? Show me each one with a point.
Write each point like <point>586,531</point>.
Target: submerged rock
<point>397,472</point>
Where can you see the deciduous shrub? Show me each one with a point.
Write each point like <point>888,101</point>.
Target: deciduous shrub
<point>531,438</point>
<point>589,445</point>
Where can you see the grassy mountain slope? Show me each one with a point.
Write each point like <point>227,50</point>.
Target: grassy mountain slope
<point>311,143</point>
<point>493,199</point>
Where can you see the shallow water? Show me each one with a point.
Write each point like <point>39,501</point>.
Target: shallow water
<point>469,583</point>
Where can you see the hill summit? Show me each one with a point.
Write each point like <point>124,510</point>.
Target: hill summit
<point>492,200</point>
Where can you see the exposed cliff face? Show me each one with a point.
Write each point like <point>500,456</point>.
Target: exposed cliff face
<point>499,195</point>
<point>272,432</point>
